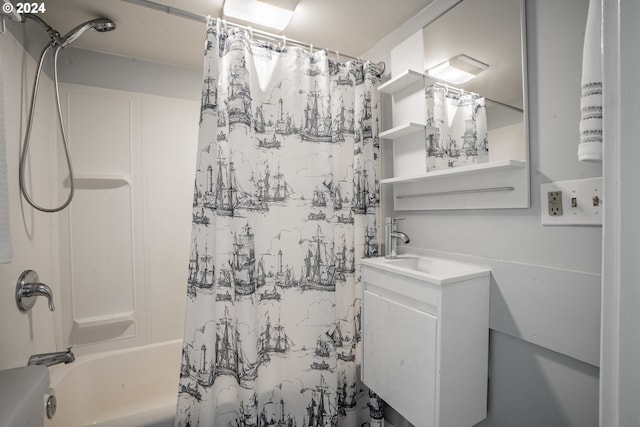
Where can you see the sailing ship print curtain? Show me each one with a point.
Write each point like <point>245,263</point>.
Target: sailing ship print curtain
<point>284,208</point>
<point>456,128</point>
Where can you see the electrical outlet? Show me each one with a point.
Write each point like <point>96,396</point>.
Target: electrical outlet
<point>555,202</point>
<point>576,202</point>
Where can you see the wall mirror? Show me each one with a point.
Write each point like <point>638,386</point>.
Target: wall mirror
<point>492,32</point>
<point>474,133</point>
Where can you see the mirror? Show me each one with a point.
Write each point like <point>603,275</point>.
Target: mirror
<point>492,32</point>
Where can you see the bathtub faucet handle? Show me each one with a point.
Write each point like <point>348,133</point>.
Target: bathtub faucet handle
<point>28,288</point>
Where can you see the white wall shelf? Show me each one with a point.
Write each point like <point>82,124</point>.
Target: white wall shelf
<point>400,82</point>
<point>495,185</point>
<point>402,130</point>
<point>463,170</point>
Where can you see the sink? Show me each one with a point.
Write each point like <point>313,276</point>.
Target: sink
<point>22,395</point>
<point>439,271</point>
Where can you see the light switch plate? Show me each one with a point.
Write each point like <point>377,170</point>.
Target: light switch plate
<point>581,202</point>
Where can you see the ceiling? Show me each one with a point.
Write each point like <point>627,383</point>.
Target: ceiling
<point>348,26</point>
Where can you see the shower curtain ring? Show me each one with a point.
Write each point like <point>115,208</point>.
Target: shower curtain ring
<point>311,49</point>
<point>338,56</point>
<point>250,32</point>
<point>284,41</point>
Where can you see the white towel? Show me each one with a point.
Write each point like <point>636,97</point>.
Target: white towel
<point>590,147</point>
<point>6,250</point>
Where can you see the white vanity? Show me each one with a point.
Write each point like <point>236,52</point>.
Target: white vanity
<point>426,338</point>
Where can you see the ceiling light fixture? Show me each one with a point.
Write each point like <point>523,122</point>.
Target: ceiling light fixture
<point>274,14</point>
<point>459,69</point>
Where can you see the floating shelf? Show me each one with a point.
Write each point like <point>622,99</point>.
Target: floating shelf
<point>400,82</point>
<point>459,171</point>
<point>105,320</point>
<point>402,130</point>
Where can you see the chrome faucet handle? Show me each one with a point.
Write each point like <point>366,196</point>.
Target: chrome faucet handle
<point>393,221</point>
<point>28,288</point>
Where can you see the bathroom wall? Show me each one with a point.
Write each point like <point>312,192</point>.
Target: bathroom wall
<point>545,292</point>
<point>32,232</point>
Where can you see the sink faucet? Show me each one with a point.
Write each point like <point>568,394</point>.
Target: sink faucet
<point>49,359</point>
<point>391,235</point>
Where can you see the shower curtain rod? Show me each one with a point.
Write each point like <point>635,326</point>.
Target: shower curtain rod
<point>150,4</point>
<point>462,92</point>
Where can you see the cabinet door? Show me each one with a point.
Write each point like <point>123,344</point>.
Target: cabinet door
<point>399,357</point>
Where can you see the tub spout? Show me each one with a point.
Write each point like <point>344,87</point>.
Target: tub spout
<point>50,359</point>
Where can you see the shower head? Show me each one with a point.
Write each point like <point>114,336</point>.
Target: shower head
<point>100,24</point>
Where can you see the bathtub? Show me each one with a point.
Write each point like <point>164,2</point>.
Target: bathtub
<point>135,387</point>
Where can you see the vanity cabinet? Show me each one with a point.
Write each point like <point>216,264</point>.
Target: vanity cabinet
<point>425,344</point>
<point>408,336</point>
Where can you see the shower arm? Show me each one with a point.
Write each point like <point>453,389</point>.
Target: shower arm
<point>53,34</point>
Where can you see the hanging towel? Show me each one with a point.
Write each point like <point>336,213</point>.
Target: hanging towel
<point>6,250</point>
<point>590,148</point>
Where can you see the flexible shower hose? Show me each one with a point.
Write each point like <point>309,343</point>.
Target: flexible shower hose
<point>25,147</point>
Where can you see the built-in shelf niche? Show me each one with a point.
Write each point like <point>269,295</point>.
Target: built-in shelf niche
<point>88,181</point>
<point>502,183</point>
<point>114,319</point>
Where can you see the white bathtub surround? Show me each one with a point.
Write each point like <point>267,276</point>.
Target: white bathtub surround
<point>590,148</point>
<point>32,235</point>
<point>6,249</point>
<point>119,279</point>
<point>132,387</point>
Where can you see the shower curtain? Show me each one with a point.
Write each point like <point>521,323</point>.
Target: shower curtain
<point>456,128</point>
<point>284,208</point>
